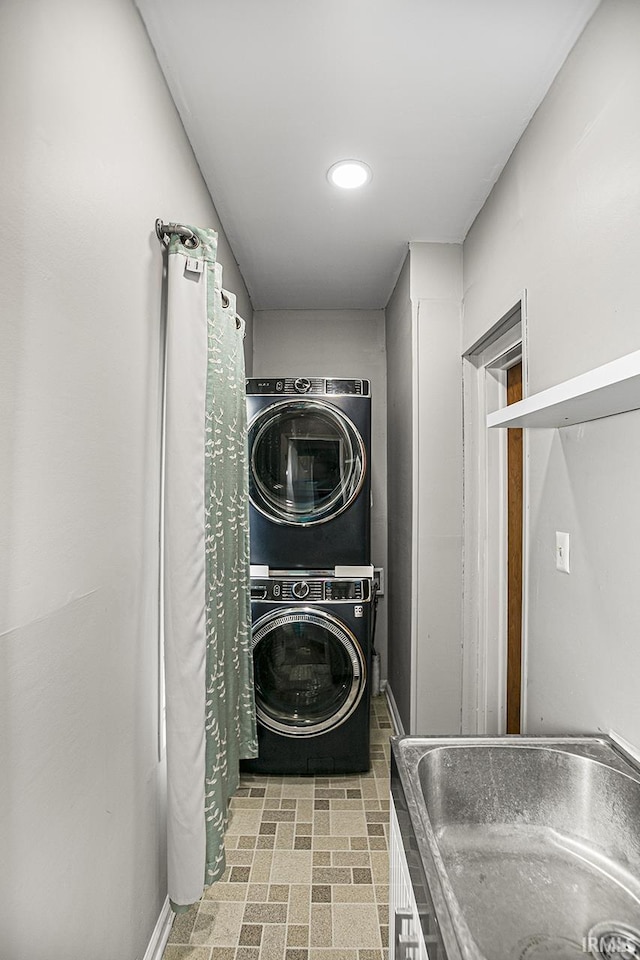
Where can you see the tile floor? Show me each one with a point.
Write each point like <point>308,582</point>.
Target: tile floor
<point>307,869</point>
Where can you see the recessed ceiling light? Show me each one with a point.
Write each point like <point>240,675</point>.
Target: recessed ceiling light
<point>349,174</point>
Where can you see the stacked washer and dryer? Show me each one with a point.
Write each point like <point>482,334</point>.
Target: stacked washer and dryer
<point>311,579</point>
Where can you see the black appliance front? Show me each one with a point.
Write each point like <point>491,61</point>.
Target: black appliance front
<point>312,660</point>
<point>309,483</point>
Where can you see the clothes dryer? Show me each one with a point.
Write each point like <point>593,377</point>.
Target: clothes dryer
<point>309,474</point>
<point>312,661</point>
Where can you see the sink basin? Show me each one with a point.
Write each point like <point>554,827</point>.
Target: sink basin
<point>524,847</point>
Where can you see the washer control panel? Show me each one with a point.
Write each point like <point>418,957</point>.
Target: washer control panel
<point>328,386</point>
<point>311,590</point>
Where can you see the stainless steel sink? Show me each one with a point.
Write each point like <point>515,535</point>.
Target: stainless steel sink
<point>526,847</point>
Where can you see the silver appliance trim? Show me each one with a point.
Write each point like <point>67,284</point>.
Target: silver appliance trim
<point>286,519</point>
<point>276,618</point>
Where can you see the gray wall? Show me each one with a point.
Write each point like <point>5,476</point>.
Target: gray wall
<point>425,489</point>
<point>339,343</point>
<point>564,222</point>
<point>93,152</point>
<point>399,343</point>
<point>436,294</point>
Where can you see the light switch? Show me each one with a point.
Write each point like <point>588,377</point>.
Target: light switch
<point>562,551</point>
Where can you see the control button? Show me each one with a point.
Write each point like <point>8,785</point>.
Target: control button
<point>279,386</point>
<point>300,590</point>
<point>277,590</point>
<point>302,385</point>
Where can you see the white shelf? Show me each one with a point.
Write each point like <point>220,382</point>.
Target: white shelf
<point>607,390</point>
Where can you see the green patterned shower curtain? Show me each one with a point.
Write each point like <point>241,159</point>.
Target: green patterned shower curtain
<point>207,619</point>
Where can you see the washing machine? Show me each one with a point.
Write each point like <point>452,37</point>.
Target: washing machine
<point>309,476</point>
<point>312,662</point>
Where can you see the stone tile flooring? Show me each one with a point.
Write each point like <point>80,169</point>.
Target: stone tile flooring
<point>307,869</point>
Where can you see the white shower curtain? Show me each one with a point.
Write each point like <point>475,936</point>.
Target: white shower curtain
<point>207,624</point>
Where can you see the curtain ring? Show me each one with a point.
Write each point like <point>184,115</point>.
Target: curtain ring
<point>225,299</point>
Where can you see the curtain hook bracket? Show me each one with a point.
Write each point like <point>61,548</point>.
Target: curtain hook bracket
<point>187,236</point>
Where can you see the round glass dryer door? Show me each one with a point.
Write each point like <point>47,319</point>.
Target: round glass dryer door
<point>309,672</point>
<point>306,462</point>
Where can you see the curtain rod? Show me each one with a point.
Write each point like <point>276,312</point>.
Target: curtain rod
<point>164,231</point>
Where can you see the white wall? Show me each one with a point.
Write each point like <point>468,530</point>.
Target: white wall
<point>93,152</point>
<point>337,343</point>
<point>564,222</point>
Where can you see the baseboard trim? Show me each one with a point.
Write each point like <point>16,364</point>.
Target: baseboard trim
<point>161,933</point>
<point>398,727</point>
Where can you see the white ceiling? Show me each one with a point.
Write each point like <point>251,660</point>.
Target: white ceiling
<point>432,94</point>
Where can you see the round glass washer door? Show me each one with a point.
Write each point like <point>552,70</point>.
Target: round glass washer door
<point>306,462</point>
<point>309,671</point>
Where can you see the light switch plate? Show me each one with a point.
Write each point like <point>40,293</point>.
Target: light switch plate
<point>562,551</point>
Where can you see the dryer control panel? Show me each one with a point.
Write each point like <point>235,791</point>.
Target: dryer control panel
<point>302,386</point>
<point>311,589</point>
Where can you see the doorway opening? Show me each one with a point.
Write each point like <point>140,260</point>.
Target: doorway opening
<point>495,491</point>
